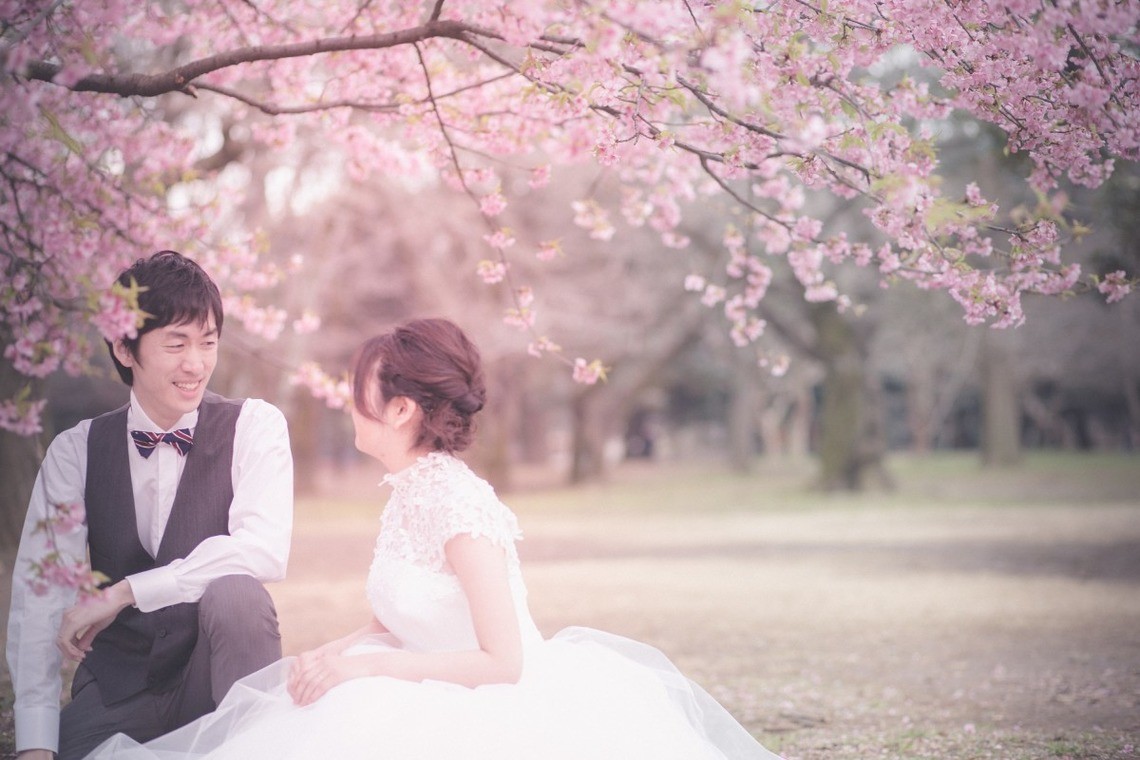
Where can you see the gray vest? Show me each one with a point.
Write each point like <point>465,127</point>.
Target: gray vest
<point>148,651</point>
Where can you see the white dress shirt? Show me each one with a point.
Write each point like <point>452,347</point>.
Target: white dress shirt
<point>260,526</point>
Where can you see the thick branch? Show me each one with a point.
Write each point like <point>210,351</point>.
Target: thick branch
<point>179,79</point>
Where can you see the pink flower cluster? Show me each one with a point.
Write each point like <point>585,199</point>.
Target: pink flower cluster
<point>767,104</point>
<point>336,393</point>
<point>55,569</point>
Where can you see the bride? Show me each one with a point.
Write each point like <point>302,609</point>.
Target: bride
<point>451,665</point>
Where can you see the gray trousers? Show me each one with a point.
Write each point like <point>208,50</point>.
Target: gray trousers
<point>237,635</point>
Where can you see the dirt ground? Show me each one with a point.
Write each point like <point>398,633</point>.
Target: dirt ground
<point>852,629</point>
<point>845,631</point>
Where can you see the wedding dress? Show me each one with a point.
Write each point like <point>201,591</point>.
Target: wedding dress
<point>583,693</point>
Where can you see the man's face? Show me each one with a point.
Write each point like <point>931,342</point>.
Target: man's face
<point>172,367</point>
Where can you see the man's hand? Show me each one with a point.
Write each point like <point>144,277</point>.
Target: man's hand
<point>35,754</point>
<point>82,623</point>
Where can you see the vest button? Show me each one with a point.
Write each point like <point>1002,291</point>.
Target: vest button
<point>162,633</point>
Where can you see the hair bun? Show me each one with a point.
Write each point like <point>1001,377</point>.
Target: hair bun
<point>469,403</point>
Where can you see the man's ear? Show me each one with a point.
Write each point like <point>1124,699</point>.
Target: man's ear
<point>123,354</point>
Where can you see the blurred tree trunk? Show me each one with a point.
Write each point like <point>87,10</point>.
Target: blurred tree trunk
<point>304,430</point>
<point>19,462</point>
<point>1001,410</point>
<point>532,426</point>
<point>1132,399</point>
<point>799,425</point>
<point>588,439</point>
<point>773,421</point>
<point>919,409</point>
<point>851,443</point>
<point>497,423</point>
<point>603,409</point>
<point>742,413</point>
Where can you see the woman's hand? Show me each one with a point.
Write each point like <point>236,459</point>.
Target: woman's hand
<point>317,671</point>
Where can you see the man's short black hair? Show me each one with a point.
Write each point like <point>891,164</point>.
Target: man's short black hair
<point>173,290</point>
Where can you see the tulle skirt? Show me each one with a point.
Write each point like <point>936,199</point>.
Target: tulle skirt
<point>583,694</point>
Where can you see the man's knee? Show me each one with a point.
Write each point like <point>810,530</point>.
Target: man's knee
<point>238,603</point>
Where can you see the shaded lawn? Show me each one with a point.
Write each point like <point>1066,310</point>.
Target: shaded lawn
<point>968,614</point>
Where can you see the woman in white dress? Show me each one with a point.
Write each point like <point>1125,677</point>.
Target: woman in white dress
<point>451,666</point>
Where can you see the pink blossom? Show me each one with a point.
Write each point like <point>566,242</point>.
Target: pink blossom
<point>501,239</point>
<point>55,570</point>
<point>335,392</point>
<point>589,215</point>
<point>588,373</point>
<point>309,322</point>
<point>713,295</point>
<point>523,318</point>
<point>539,176</point>
<point>492,204</point>
<point>808,105</point>
<point>1115,286</point>
<point>69,517</point>
<point>22,416</point>
<point>777,366</point>
<point>549,250</point>
<point>491,272</point>
<point>542,346</point>
<point>116,318</point>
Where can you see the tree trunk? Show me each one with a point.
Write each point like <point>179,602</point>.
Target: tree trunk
<point>587,452</point>
<point>1131,388</point>
<point>1001,410</point>
<point>304,430</point>
<point>496,423</point>
<point>742,414</point>
<point>851,444</point>
<point>799,424</point>
<point>920,406</point>
<point>20,458</point>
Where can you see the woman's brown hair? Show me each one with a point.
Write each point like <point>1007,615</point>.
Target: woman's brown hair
<point>432,362</point>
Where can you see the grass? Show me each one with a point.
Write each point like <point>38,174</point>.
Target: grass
<point>956,478</point>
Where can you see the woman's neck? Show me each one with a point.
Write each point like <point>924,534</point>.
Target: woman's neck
<point>402,461</point>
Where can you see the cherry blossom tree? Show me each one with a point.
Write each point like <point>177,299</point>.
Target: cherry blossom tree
<point>767,103</point>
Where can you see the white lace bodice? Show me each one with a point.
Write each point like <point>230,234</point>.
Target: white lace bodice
<point>412,589</point>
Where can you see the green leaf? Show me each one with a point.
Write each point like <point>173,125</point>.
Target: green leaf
<point>57,132</point>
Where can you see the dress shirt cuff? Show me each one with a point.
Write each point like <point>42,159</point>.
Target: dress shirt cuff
<point>155,589</point>
<point>37,728</point>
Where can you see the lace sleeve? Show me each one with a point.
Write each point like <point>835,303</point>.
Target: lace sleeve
<point>472,508</point>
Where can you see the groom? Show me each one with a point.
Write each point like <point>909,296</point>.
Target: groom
<point>189,502</point>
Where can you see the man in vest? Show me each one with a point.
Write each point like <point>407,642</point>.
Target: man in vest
<point>189,505</point>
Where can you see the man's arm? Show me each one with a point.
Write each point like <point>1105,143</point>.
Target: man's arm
<point>261,518</point>
<point>34,619</point>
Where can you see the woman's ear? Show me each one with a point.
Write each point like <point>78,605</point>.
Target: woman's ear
<point>402,410</point>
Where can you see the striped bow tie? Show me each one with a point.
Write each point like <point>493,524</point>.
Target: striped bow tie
<point>181,439</point>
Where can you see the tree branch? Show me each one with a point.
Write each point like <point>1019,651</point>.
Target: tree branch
<point>181,78</point>
<point>275,110</point>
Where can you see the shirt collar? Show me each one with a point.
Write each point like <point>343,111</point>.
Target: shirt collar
<point>137,419</point>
